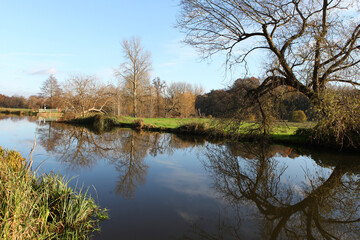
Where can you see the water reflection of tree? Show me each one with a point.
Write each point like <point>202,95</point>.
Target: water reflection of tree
<point>49,136</point>
<point>327,207</point>
<point>79,147</point>
<point>130,162</point>
<point>76,147</point>
<point>134,147</point>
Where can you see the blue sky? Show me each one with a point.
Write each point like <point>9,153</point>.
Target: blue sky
<point>66,37</point>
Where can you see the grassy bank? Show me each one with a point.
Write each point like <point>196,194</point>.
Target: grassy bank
<point>163,123</point>
<point>281,131</point>
<point>42,207</point>
<point>31,112</point>
<point>18,111</point>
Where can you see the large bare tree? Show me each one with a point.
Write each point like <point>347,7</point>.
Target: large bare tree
<point>135,71</point>
<point>309,43</point>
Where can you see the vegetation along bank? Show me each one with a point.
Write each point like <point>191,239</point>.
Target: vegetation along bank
<point>42,207</point>
<point>281,131</point>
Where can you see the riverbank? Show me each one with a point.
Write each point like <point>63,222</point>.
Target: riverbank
<point>18,111</point>
<point>46,114</point>
<point>282,132</point>
<point>42,207</point>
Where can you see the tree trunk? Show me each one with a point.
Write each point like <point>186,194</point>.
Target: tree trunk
<point>134,100</point>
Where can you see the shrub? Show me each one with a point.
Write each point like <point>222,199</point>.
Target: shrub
<point>110,122</point>
<point>98,122</point>
<point>12,160</point>
<point>251,117</point>
<point>139,124</point>
<point>338,120</point>
<point>198,128</point>
<point>68,116</point>
<point>298,116</point>
<point>150,126</point>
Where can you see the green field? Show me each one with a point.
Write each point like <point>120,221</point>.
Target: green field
<point>170,123</point>
<point>289,128</point>
<point>280,128</point>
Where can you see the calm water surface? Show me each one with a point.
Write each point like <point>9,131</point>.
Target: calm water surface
<point>163,186</point>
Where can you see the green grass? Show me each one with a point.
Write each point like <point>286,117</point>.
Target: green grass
<point>170,123</point>
<point>42,207</point>
<point>289,128</point>
<point>281,130</point>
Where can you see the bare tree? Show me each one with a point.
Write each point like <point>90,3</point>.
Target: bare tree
<point>135,71</point>
<point>309,43</point>
<point>181,99</point>
<point>159,86</point>
<point>51,90</point>
<point>83,94</point>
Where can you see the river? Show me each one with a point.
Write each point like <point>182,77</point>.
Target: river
<point>165,186</point>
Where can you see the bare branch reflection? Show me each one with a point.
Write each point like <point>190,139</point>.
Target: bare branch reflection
<point>79,147</point>
<point>326,206</point>
<point>130,164</point>
<point>249,176</point>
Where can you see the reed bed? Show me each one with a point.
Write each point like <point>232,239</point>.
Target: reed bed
<point>42,207</point>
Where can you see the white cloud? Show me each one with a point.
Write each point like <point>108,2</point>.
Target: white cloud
<point>185,181</point>
<point>46,71</point>
<point>188,217</point>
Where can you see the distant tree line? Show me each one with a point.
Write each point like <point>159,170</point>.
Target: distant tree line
<point>81,94</point>
<point>135,94</point>
<point>85,94</point>
<point>32,102</point>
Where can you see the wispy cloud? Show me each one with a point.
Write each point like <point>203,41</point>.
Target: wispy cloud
<point>184,181</point>
<point>188,217</point>
<point>46,71</point>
